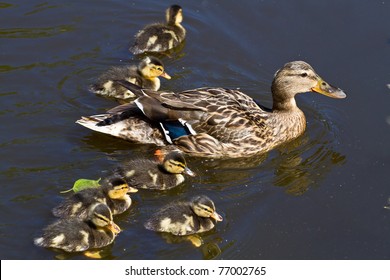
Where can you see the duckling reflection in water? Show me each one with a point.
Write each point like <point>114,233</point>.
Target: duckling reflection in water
<point>194,239</point>
<point>145,75</point>
<point>77,235</point>
<point>154,174</point>
<point>160,37</point>
<point>113,193</point>
<point>184,218</point>
<point>209,250</point>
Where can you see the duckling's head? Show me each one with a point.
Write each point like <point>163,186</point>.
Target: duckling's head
<point>204,207</point>
<point>118,188</point>
<point>175,163</point>
<point>152,67</point>
<point>174,15</point>
<point>101,216</point>
<point>299,77</point>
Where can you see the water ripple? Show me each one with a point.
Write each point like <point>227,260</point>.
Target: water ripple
<point>36,32</point>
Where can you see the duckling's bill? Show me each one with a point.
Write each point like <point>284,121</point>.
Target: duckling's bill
<point>189,172</point>
<point>132,190</point>
<point>216,216</point>
<point>114,227</point>
<point>328,90</point>
<point>165,75</point>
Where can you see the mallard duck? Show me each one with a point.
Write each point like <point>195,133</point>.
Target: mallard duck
<point>160,37</point>
<point>113,192</point>
<point>77,235</point>
<point>216,122</point>
<point>183,218</point>
<point>153,174</point>
<point>145,75</point>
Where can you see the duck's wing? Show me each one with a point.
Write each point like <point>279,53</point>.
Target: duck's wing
<point>150,97</point>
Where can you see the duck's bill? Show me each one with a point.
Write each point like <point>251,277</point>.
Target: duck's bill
<point>328,90</point>
<point>165,75</point>
<point>189,172</point>
<point>114,228</point>
<point>217,217</point>
<point>132,190</point>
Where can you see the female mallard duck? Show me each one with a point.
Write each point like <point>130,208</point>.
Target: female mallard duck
<point>160,37</point>
<point>113,192</point>
<point>153,174</point>
<point>77,235</point>
<point>216,122</point>
<point>146,75</point>
<point>184,218</point>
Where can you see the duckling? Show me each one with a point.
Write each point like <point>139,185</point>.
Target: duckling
<point>145,75</point>
<point>77,235</point>
<point>160,37</point>
<point>154,174</point>
<point>113,193</point>
<point>183,218</point>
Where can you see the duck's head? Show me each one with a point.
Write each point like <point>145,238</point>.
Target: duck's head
<point>175,163</point>
<point>204,207</point>
<point>174,15</point>
<point>101,216</point>
<point>152,67</point>
<point>118,188</point>
<point>299,77</point>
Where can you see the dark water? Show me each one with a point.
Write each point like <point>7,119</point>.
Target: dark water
<point>319,197</point>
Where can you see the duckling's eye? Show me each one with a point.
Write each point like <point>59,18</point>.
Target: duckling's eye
<point>159,69</point>
<point>101,218</point>
<point>304,74</point>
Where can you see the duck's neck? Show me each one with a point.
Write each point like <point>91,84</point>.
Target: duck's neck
<point>288,120</point>
<point>283,100</point>
<point>284,105</point>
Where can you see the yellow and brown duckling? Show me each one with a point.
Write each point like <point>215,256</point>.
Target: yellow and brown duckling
<point>216,122</point>
<point>155,174</point>
<point>160,37</point>
<point>77,235</point>
<point>145,75</point>
<point>184,218</point>
<point>113,192</point>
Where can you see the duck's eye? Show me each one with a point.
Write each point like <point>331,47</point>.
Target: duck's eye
<point>304,74</point>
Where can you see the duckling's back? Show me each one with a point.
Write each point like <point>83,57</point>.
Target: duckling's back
<point>148,174</point>
<point>107,86</point>
<point>77,205</point>
<point>158,38</point>
<point>66,234</point>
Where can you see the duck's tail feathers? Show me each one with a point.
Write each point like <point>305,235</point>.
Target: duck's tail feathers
<point>98,123</point>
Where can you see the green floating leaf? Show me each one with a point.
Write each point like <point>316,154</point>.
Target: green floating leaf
<point>82,184</point>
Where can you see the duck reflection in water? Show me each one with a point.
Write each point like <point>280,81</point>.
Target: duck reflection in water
<point>297,166</point>
<point>298,170</point>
